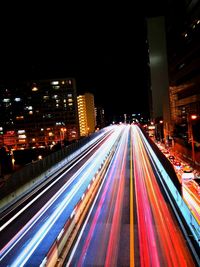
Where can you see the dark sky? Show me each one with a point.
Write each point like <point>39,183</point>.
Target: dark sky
<point>100,44</point>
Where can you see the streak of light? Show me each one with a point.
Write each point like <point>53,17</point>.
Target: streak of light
<point>33,243</point>
<point>147,240</point>
<point>192,201</point>
<point>131,208</point>
<point>112,249</point>
<point>166,234</point>
<point>108,180</point>
<point>43,191</point>
<point>103,196</point>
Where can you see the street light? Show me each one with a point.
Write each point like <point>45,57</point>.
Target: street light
<point>190,133</point>
<point>62,135</point>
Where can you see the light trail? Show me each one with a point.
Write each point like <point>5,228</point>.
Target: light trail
<point>113,244</point>
<point>44,190</point>
<point>192,199</point>
<point>131,206</point>
<point>108,234</point>
<point>169,243</point>
<point>31,245</point>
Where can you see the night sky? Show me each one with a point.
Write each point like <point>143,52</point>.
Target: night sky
<point>100,45</point>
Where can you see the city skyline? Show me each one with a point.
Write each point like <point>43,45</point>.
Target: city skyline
<point>103,48</point>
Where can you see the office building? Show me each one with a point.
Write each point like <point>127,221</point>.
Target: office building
<point>100,117</point>
<point>160,106</point>
<point>86,113</point>
<point>183,35</point>
<point>39,113</point>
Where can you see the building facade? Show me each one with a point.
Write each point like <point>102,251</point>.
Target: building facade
<point>86,112</point>
<point>100,117</point>
<point>183,35</point>
<point>159,73</point>
<point>39,113</point>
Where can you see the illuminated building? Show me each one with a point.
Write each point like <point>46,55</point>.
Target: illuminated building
<point>39,113</point>
<point>86,113</point>
<point>183,35</point>
<point>182,30</point>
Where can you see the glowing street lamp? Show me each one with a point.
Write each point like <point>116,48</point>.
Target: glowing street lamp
<point>62,135</point>
<point>193,117</point>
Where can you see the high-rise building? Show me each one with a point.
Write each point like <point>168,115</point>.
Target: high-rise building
<point>86,112</point>
<point>100,117</point>
<point>159,72</point>
<point>39,113</point>
<point>183,35</point>
<point>182,27</point>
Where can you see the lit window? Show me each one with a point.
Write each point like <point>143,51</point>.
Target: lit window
<point>21,131</point>
<point>22,136</point>
<point>22,141</point>
<point>54,82</point>
<point>17,99</point>
<point>28,108</point>
<point>34,89</point>
<point>19,117</point>
<point>6,100</point>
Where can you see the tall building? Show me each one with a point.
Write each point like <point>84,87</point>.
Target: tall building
<point>86,112</point>
<point>183,35</point>
<point>39,113</point>
<point>100,117</point>
<point>182,26</point>
<point>159,72</point>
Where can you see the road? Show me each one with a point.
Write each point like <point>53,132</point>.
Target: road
<point>129,222</point>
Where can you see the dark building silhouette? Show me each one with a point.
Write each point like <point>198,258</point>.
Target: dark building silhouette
<point>159,72</point>
<point>100,117</point>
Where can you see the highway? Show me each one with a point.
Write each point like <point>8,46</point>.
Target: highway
<point>107,209</point>
<point>26,242</point>
<point>161,242</point>
<point>131,223</point>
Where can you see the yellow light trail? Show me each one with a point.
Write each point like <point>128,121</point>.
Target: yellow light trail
<point>131,209</point>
